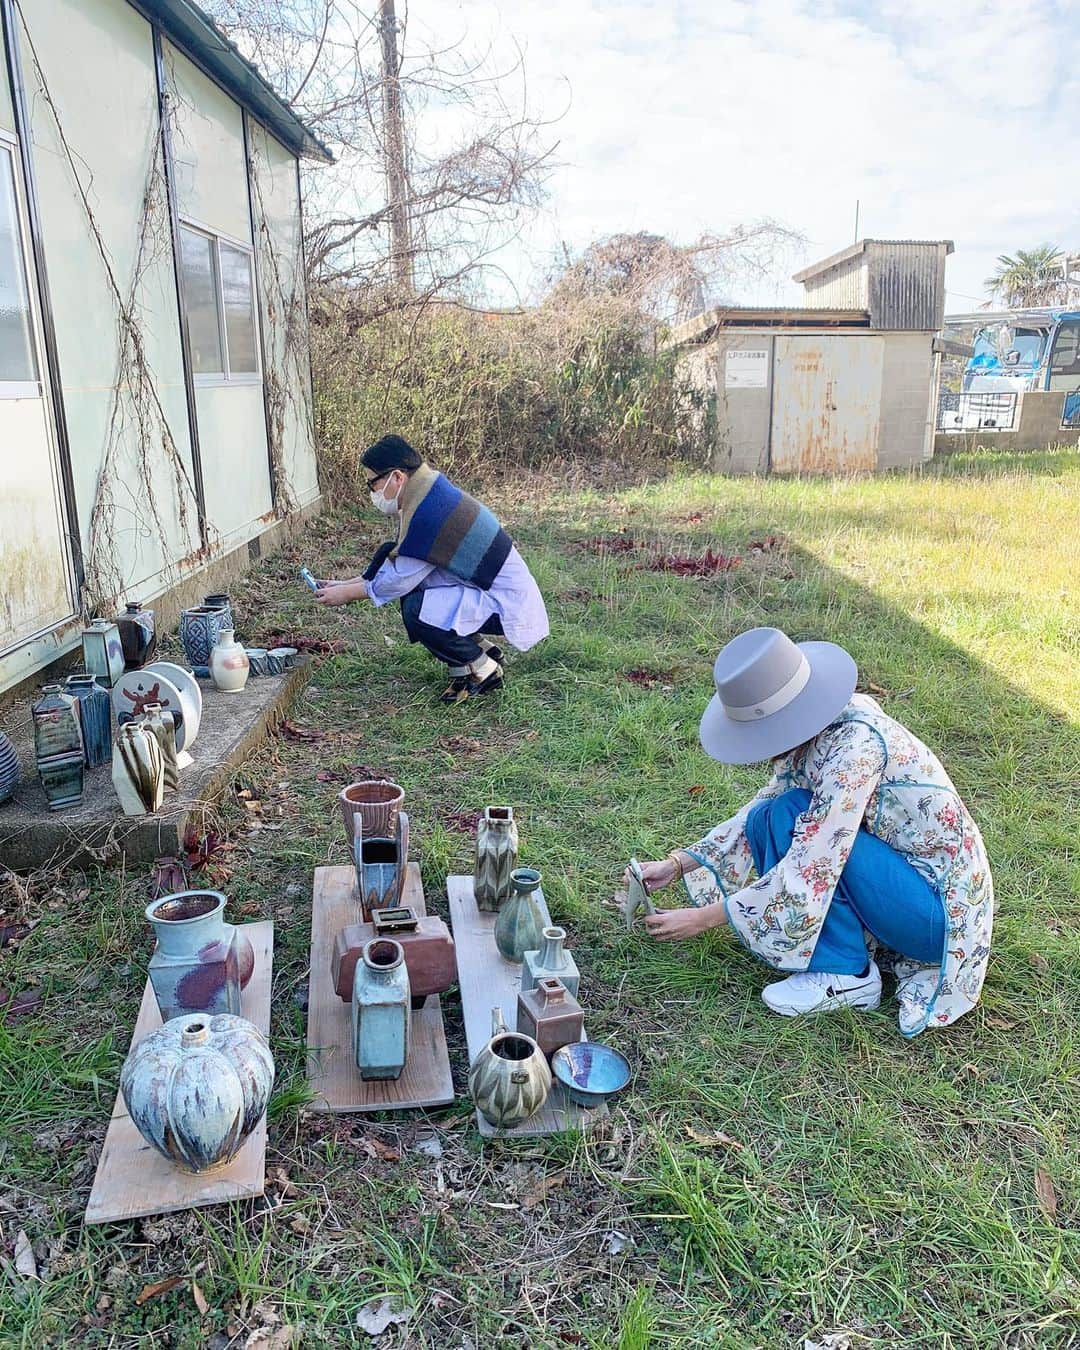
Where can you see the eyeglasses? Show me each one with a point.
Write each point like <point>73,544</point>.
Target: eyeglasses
<point>372,481</point>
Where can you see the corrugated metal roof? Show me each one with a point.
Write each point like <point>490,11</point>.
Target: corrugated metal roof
<point>853,251</point>
<point>196,34</point>
<point>702,326</point>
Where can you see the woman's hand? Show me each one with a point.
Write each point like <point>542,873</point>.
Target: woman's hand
<point>340,592</point>
<point>674,925</point>
<point>656,875</point>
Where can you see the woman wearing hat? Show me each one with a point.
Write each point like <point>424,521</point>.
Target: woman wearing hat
<point>864,854</point>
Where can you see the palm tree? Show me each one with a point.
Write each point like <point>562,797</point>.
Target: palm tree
<point>1034,277</point>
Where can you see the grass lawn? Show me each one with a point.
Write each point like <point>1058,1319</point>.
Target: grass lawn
<point>762,1180</point>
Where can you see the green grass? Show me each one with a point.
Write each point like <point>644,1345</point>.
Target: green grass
<point>878,1186</point>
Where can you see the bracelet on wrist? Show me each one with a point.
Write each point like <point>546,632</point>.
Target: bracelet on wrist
<point>675,857</point>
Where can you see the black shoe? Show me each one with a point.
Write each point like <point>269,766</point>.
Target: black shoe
<point>495,653</point>
<point>455,690</point>
<point>472,687</point>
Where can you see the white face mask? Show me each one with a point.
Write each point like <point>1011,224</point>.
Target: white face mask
<point>387,505</point>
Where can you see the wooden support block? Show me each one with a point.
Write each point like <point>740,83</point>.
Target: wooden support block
<point>487,981</point>
<point>426,1079</point>
<point>133,1179</point>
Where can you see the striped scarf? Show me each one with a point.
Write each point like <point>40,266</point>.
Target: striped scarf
<point>446,527</point>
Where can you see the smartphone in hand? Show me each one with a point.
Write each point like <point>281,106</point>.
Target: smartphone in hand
<point>308,579</point>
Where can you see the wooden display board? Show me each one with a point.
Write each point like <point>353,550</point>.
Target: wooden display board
<point>133,1179</point>
<point>426,1079</point>
<point>489,981</point>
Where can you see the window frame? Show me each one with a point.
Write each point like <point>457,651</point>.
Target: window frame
<point>21,389</point>
<point>210,379</point>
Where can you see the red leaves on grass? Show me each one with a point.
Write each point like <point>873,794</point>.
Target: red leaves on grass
<point>313,645</point>
<point>292,732</point>
<point>765,545</point>
<point>465,822</point>
<point>688,565</point>
<point>649,679</point>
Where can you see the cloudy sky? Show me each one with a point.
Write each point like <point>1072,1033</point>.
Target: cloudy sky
<point>944,119</point>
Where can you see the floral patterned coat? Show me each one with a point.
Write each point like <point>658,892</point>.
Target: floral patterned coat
<point>864,770</point>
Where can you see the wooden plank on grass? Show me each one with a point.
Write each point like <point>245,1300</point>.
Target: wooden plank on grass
<point>426,1079</point>
<point>133,1179</point>
<point>488,980</point>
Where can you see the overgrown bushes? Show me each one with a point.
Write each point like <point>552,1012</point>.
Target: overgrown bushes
<point>478,391</point>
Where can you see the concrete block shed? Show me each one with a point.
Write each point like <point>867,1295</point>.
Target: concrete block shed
<point>844,384</point>
<point>155,398</point>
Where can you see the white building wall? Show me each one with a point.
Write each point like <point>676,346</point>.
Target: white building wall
<point>7,114</point>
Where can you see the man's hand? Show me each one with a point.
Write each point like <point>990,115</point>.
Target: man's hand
<point>340,592</point>
<point>674,925</point>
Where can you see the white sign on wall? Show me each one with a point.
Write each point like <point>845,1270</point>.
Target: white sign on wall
<point>746,370</point>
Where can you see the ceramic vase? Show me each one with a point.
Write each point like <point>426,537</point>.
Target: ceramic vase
<point>160,722</point>
<point>199,631</point>
<point>10,773</point>
<point>137,637</point>
<point>550,1014</point>
<point>228,663</point>
<point>58,748</point>
<point>520,923</point>
<point>94,706</point>
<point>138,771</point>
<point>378,805</point>
<point>197,1087</point>
<point>381,1018</point>
<point>551,960</point>
<point>200,963</point>
<point>380,866</point>
<point>62,779</point>
<point>103,652</point>
<point>509,1079</point>
<point>221,602</point>
<point>496,856</point>
<point>429,951</point>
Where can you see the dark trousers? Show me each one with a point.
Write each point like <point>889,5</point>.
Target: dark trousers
<point>878,889</point>
<point>451,648</point>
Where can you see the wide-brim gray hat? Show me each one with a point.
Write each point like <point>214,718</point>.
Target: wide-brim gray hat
<point>772,694</point>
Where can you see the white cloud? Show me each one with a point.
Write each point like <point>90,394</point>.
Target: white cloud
<point>944,120</point>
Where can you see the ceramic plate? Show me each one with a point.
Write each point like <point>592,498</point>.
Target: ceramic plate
<point>190,693</point>
<point>135,690</point>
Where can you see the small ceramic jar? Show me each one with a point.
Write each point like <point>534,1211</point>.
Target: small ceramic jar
<point>229,664</point>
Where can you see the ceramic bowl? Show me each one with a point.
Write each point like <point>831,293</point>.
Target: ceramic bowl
<point>275,661</point>
<point>289,654</point>
<point>257,659</point>
<point>135,690</point>
<point>590,1071</point>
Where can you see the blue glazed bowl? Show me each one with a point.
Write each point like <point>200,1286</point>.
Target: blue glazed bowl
<point>590,1071</point>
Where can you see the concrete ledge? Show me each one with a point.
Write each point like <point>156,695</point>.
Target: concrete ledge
<point>233,725</point>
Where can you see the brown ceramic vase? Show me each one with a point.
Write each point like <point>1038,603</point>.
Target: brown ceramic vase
<point>550,1015</point>
<point>378,804</point>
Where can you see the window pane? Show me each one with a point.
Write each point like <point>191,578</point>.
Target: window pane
<point>201,301</point>
<point>239,315</point>
<point>17,360</point>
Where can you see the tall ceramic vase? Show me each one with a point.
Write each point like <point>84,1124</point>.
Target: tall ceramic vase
<point>229,665</point>
<point>10,772</point>
<point>509,1079</point>
<point>137,637</point>
<point>200,963</point>
<point>196,1088</point>
<point>381,1016</point>
<point>161,723</point>
<point>520,924</point>
<point>138,771</point>
<point>200,628</point>
<point>58,748</point>
<point>496,856</point>
<point>94,705</point>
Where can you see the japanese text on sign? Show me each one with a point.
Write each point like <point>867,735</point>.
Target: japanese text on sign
<point>746,370</point>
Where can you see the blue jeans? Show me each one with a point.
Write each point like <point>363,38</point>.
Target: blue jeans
<point>878,890</point>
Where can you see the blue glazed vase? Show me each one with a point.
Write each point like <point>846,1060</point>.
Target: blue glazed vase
<point>9,768</point>
<point>381,1013</point>
<point>220,600</point>
<point>200,963</point>
<point>103,652</point>
<point>94,706</point>
<point>56,724</point>
<point>200,629</point>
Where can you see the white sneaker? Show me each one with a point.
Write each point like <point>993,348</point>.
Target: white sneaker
<point>815,991</point>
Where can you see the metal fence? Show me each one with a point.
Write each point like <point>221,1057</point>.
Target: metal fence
<point>1070,412</point>
<point>977,412</point>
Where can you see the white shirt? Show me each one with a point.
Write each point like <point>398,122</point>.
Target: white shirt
<point>454,607</point>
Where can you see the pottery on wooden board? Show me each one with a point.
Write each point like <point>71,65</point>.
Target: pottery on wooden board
<point>10,773</point>
<point>429,952</point>
<point>220,601</point>
<point>520,923</point>
<point>200,962</point>
<point>550,1014</point>
<point>138,770</point>
<point>590,1071</point>
<point>496,856</point>
<point>380,866</point>
<point>200,628</point>
<point>188,717</point>
<point>196,1088</point>
<point>138,640</point>
<point>103,651</point>
<point>377,803</point>
<point>94,706</point>
<point>161,724</point>
<point>381,1017</point>
<point>57,730</point>
<point>552,959</point>
<point>228,663</point>
<point>509,1079</point>
<point>62,779</point>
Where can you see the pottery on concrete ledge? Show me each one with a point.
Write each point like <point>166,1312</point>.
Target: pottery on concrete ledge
<point>200,628</point>
<point>138,770</point>
<point>137,636</point>
<point>228,663</point>
<point>94,706</point>
<point>103,651</point>
<point>10,773</point>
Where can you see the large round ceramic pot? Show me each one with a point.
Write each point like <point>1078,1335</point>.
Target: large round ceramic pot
<point>509,1079</point>
<point>378,805</point>
<point>191,701</point>
<point>200,963</point>
<point>197,1087</point>
<point>9,768</point>
<point>229,664</point>
<point>496,856</point>
<point>520,925</point>
<point>94,706</point>
<point>200,629</point>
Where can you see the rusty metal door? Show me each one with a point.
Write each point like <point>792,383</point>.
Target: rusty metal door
<point>826,404</point>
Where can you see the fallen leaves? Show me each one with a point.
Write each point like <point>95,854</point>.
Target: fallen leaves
<point>690,565</point>
<point>713,1138</point>
<point>1039,962</point>
<point>312,645</point>
<point>375,1147</point>
<point>11,934</point>
<point>159,1287</point>
<point>374,1318</point>
<point>460,745</point>
<point>465,822</point>
<point>1045,1193</point>
<point>609,543</point>
<point>22,1005</point>
<point>25,1261</point>
<point>292,731</point>
<point>649,679</point>
<point>200,1298</point>
<point>539,1190</point>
